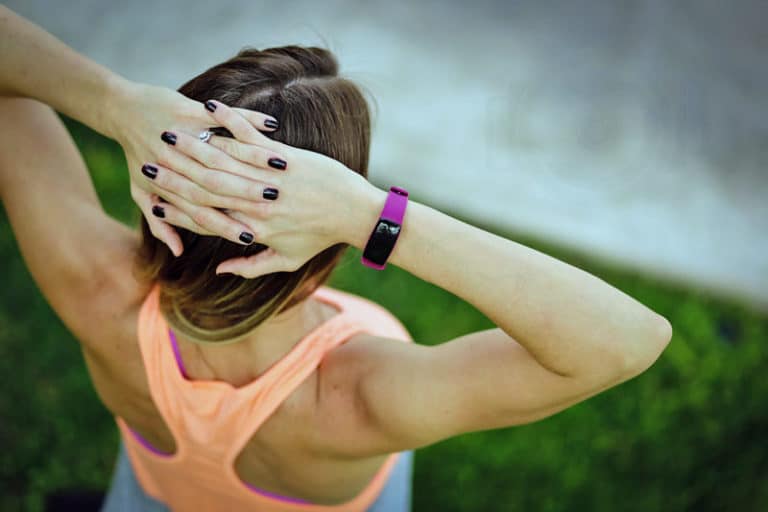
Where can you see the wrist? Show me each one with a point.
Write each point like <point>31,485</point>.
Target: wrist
<point>364,209</point>
<point>116,100</point>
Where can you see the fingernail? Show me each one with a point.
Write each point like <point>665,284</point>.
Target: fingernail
<point>271,123</point>
<point>277,163</point>
<point>210,106</point>
<point>270,193</point>
<point>150,171</point>
<point>246,237</point>
<point>169,138</point>
<point>158,211</point>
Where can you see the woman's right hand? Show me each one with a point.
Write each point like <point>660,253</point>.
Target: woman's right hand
<point>146,121</point>
<point>318,201</point>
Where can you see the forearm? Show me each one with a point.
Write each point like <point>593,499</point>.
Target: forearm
<point>570,321</point>
<point>35,64</point>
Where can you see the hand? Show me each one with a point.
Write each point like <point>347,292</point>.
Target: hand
<point>143,114</point>
<point>319,202</point>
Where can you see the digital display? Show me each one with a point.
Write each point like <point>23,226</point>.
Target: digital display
<point>382,241</point>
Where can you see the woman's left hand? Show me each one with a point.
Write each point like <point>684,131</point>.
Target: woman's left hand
<point>141,114</point>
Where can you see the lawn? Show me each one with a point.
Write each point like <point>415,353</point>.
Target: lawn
<point>689,434</point>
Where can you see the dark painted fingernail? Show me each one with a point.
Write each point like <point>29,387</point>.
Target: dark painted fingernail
<point>150,171</point>
<point>246,238</point>
<point>277,163</point>
<point>210,106</point>
<point>270,193</point>
<point>169,138</point>
<point>158,211</point>
<point>271,123</point>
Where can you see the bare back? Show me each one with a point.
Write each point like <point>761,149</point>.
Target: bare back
<point>300,451</point>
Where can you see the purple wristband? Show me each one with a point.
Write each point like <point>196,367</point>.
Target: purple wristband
<point>387,230</point>
<point>394,207</point>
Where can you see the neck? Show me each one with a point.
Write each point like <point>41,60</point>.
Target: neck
<point>243,359</point>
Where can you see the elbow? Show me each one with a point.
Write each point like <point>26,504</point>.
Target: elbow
<point>647,350</point>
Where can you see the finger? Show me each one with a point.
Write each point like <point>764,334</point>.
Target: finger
<point>211,221</point>
<point>249,267</point>
<point>250,154</point>
<point>238,125</point>
<point>260,121</point>
<point>228,155</point>
<point>157,227</point>
<point>165,179</point>
<point>176,217</point>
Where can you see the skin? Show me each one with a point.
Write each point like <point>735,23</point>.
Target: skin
<point>37,65</point>
<point>562,334</point>
<point>91,288</point>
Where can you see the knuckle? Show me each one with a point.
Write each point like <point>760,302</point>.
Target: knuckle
<point>255,156</point>
<point>226,117</point>
<point>183,144</point>
<point>224,144</point>
<point>236,204</point>
<point>211,180</point>
<point>198,195</point>
<point>167,156</point>
<point>200,217</point>
<point>253,209</point>
<point>217,160</point>
<point>235,149</point>
<point>164,180</point>
<point>189,224</point>
<point>261,210</point>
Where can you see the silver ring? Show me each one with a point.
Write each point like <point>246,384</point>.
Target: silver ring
<point>205,136</point>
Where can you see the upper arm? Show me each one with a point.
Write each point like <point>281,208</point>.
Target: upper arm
<point>404,396</point>
<point>77,254</point>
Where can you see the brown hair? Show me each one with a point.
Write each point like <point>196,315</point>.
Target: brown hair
<point>318,111</point>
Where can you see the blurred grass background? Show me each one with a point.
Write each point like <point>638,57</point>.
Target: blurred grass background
<point>689,434</point>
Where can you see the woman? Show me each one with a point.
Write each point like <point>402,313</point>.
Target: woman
<point>237,379</point>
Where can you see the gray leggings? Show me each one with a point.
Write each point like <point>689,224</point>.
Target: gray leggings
<point>126,495</point>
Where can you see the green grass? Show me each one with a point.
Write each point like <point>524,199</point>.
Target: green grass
<point>686,435</point>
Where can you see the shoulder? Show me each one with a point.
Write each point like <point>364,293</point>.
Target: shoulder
<point>375,319</point>
<point>343,425</point>
<point>108,308</point>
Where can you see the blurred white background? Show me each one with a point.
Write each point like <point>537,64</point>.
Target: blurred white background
<point>635,131</point>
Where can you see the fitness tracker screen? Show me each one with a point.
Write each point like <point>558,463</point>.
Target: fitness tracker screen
<point>382,241</point>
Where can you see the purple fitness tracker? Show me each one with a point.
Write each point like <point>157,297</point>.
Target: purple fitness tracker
<point>384,235</point>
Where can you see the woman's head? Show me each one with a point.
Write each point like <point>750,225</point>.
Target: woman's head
<point>317,110</point>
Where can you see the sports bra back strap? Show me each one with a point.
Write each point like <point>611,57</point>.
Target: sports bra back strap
<point>279,385</point>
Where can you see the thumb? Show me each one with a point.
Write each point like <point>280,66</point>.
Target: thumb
<point>249,267</point>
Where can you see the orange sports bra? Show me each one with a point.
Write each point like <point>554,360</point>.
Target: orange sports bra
<point>211,421</point>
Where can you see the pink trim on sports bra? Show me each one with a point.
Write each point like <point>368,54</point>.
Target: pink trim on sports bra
<point>177,354</point>
<point>147,445</point>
